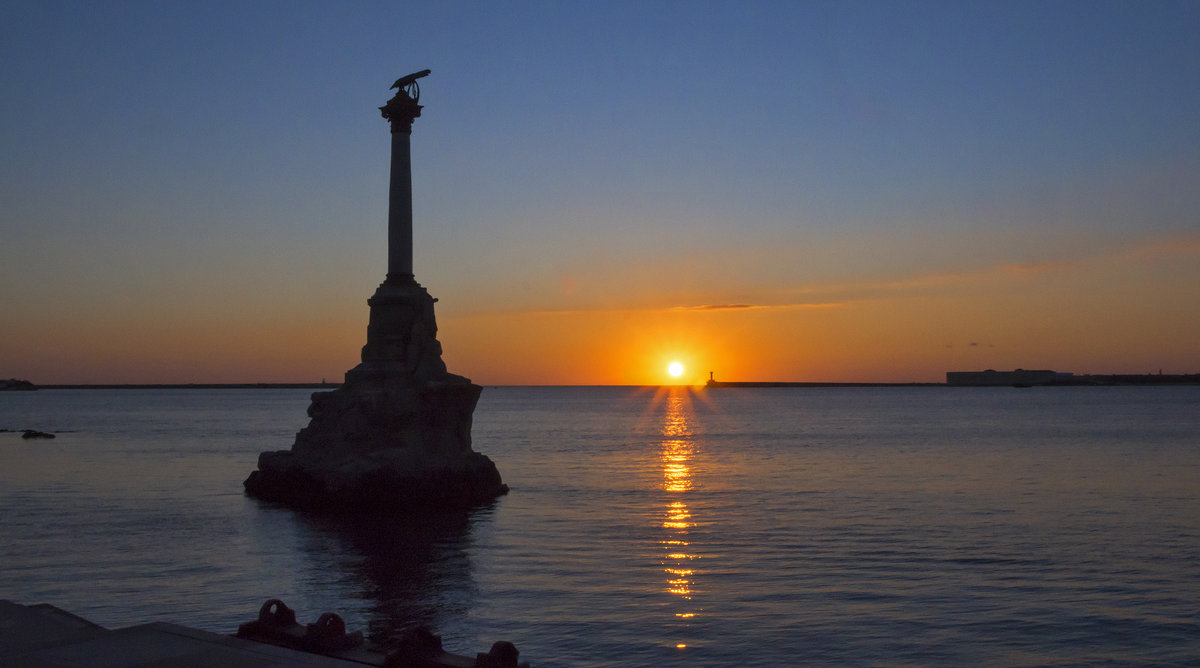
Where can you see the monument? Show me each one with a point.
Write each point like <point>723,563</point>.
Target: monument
<point>397,434</point>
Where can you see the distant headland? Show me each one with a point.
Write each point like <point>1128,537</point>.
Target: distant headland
<point>1045,377</point>
<point>16,385</point>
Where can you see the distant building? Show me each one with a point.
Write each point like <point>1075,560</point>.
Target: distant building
<point>1019,377</point>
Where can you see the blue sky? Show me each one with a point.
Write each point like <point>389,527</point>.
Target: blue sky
<point>167,160</point>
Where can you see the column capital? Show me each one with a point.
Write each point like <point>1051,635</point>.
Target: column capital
<point>400,111</point>
<point>403,108</point>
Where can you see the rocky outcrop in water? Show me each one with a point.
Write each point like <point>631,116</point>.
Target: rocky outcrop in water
<point>33,433</point>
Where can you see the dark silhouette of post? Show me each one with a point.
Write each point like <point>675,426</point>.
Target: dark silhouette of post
<point>401,111</point>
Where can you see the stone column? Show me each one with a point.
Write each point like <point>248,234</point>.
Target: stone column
<point>400,111</point>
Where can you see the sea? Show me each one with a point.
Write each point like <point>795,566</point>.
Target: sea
<point>650,526</point>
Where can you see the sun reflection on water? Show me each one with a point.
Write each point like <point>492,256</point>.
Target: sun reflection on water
<point>676,457</point>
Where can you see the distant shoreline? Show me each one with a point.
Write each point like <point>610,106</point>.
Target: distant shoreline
<point>723,384</point>
<point>1074,381</point>
<point>194,386</point>
<point>1095,381</point>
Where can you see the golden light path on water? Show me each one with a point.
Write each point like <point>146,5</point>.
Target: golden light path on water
<point>676,455</point>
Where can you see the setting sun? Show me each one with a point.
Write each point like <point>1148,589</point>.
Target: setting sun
<point>675,369</point>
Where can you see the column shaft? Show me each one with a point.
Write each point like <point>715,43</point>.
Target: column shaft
<point>400,217</point>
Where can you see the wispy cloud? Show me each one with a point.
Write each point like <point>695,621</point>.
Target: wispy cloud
<point>1033,267</point>
<point>697,308</point>
<point>727,307</point>
<point>1164,248</point>
<point>1145,250</point>
<point>715,307</point>
<point>846,294</point>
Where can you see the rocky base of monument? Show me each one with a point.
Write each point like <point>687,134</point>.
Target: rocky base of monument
<point>396,436</point>
<point>363,486</point>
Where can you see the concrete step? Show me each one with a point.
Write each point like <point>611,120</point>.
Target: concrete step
<point>37,636</point>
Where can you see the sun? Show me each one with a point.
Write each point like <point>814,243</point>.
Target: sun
<point>675,369</point>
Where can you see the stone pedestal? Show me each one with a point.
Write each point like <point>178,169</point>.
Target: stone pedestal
<point>397,434</point>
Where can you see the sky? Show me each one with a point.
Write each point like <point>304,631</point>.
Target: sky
<point>775,191</point>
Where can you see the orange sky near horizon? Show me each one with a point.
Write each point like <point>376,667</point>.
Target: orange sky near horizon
<point>1084,317</point>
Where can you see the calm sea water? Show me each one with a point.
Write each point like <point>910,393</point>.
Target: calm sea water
<point>947,526</point>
